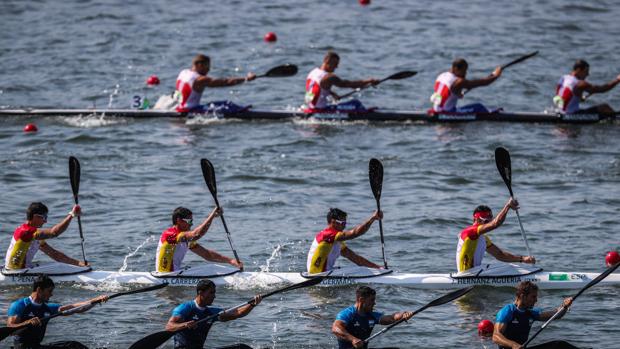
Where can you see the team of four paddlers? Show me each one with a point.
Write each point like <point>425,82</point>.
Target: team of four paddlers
<point>353,325</point>
<point>449,87</point>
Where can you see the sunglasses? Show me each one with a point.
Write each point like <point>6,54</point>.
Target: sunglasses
<point>343,222</point>
<point>44,216</point>
<point>189,221</point>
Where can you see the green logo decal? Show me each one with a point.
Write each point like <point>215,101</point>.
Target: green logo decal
<point>558,277</point>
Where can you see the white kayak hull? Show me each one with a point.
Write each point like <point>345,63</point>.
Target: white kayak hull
<point>249,280</point>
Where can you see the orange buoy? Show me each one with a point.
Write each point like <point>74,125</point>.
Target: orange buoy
<point>30,128</point>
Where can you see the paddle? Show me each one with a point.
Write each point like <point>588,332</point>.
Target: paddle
<point>397,76</point>
<point>209,174</point>
<point>74,178</point>
<point>590,284</point>
<point>502,160</point>
<point>511,63</point>
<point>7,331</point>
<point>280,71</point>
<point>375,174</point>
<point>158,338</point>
<point>439,301</point>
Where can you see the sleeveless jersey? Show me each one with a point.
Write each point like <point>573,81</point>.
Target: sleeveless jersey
<point>171,250</point>
<point>193,338</point>
<point>189,98</point>
<point>324,251</point>
<point>26,309</point>
<point>23,247</point>
<point>471,247</point>
<point>316,97</point>
<point>565,98</point>
<point>443,99</point>
<point>358,325</point>
<point>518,322</point>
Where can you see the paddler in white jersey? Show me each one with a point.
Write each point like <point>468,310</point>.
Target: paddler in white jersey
<point>319,87</point>
<point>570,88</point>
<point>192,82</point>
<point>450,86</point>
<point>176,240</point>
<point>329,244</point>
<point>29,238</point>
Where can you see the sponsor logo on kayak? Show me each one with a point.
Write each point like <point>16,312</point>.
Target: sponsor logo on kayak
<point>580,117</point>
<point>456,117</point>
<point>558,277</point>
<point>494,280</point>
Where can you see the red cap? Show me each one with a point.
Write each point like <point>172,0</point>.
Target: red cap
<point>612,258</point>
<point>152,80</point>
<point>271,37</point>
<point>485,328</point>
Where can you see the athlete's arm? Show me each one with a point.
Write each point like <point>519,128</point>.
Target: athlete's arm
<point>390,319</point>
<point>176,323</point>
<point>471,84</point>
<point>81,307</point>
<point>334,80</point>
<point>357,259</point>
<point>360,229</point>
<point>546,315</point>
<point>598,88</point>
<point>59,228</point>
<point>205,81</point>
<point>499,219</point>
<point>59,256</point>
<point>339,329</point>
<point>500,339</point>
<point>504,256</point>
<point>16,322</point>
<point>203,227</point>
<point>213,256</point>
<point>240,312</point>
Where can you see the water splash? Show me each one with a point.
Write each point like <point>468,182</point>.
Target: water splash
<point>133,253</point>
<point>275,254</point>
<point>93,120</point>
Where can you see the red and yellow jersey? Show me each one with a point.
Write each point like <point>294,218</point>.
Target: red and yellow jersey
<point>324,251</point>
<point>171,250</point>
<point>24,245</point>
<point>471,247</point>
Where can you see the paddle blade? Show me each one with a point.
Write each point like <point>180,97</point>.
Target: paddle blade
<point>502,160</point>
<point>282,71</point>
<point>375,174</point>
<point>152,341</point>
<point>140,290</point>
<point>402,75</point>
<point>7,331</point>
<point>447,298</point>
<point>520,59</point>
<point>209,174</point>
<point>74,175</point>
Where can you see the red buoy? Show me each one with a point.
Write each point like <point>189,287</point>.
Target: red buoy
<point>485,328</point>
<point>612,258</point>
<point>364,2</point>
<point>271,37</point>
<point>152,80</point>
<point>30,128</point>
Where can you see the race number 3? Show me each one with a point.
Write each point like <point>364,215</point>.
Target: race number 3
<point>136,102</point>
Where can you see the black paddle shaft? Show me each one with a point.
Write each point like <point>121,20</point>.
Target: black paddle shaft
<point>74,178</point>
<point>375,175</point>
<point>520,59</point>
<point>280,71</point>
<point>209,175</point>
<point>396,76</point>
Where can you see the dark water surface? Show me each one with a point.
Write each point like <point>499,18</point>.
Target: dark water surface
<point>277,179</point>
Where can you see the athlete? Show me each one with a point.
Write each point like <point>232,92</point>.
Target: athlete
<point>28,238</point>
<point>176,240</point>
<point>185,316</point>
<point>513,322</point>
<point>192,82</point>
<point>474,241</point>
<point>355,323</point>
<point>319,85</point>
<point>28,313</point>
<point>329,244</point>
<point>570,88</point>
<point>450,87</point>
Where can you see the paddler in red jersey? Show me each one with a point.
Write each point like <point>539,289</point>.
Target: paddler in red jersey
<point>570,88</point>
<point>329,244</point>
<point>450,86</point>
<point>29,238</point>
<point>474,241</point>
<point>192,82</point>
<point>319,83</point>
<point>178,239</point>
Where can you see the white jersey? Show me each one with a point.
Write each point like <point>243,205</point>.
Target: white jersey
<point>443,98</point>
<point>189,98</point>
<point>316,97</point>
<point>565,98</point>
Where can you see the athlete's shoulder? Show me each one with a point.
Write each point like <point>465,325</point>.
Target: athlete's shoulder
<point>18,306</point>
<point>346,314</point>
